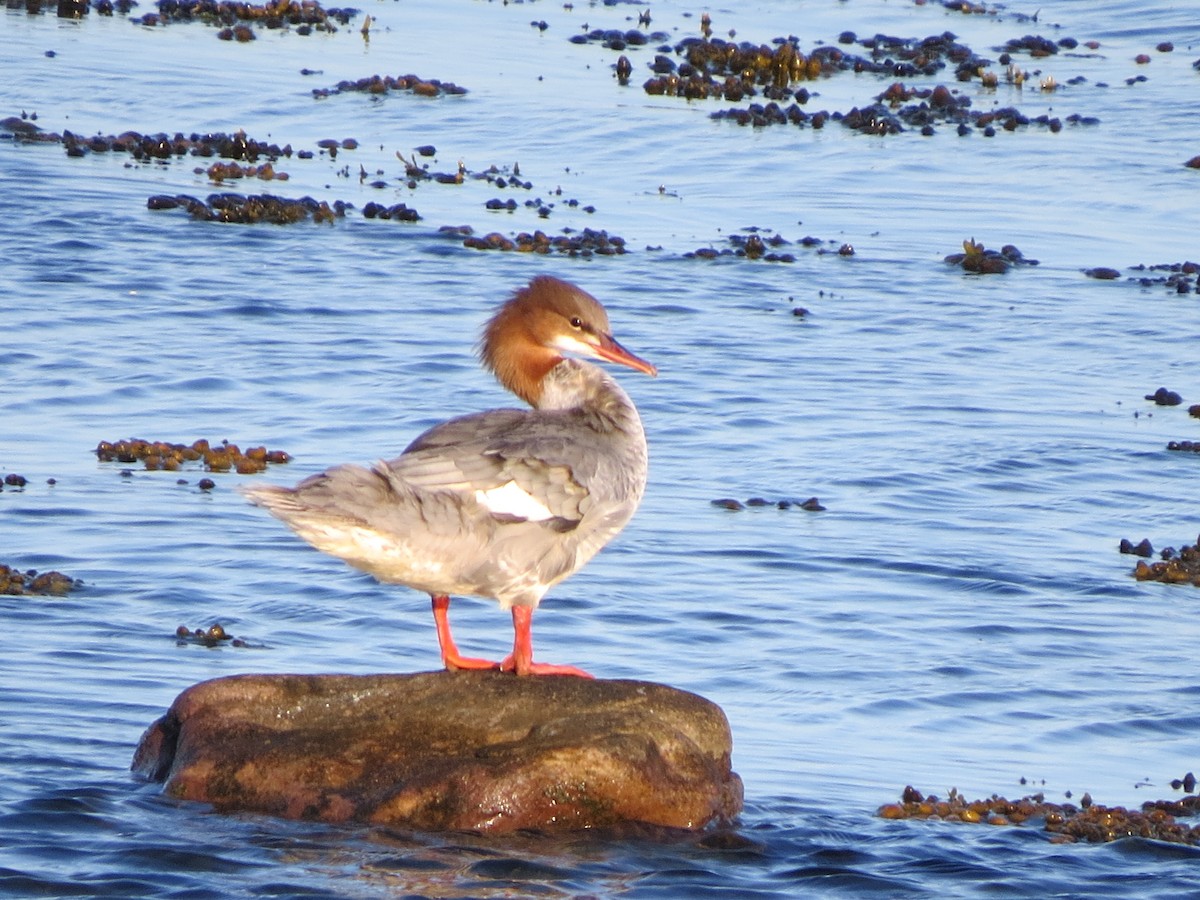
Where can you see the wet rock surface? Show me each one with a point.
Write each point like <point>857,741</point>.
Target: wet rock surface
<point>1066,822</point>
<point>14,581</point>
<point>214,457</point>
<point>474,751</point>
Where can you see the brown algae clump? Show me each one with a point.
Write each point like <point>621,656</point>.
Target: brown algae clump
<point>1066,822</point>
<point>978,259</point>
<point>15,582</point>
<point>1173,566</point>
<point>253,209</point>
<point>223,457</point>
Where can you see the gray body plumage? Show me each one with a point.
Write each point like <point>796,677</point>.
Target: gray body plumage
<point>501,504</point>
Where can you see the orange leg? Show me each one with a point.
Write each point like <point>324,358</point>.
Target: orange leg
<point>451,658</point>
<point>521,659</point>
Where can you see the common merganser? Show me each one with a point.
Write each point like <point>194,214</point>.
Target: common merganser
<point>501,504</point>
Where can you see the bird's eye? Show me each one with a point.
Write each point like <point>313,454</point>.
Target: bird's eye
<point>576,322</point>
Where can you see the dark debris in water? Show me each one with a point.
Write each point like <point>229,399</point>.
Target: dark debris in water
<point>1066,822</point>
<point>978,259</point>
<point>222,457</point>
<point>812,504</point>
<point>213,636</point>
<point>15,582</point>
<point>378,85</point>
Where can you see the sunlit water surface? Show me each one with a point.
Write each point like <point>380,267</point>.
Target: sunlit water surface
<point>958,616</point>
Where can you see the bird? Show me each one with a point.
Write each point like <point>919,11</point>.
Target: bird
<point>501,504</point>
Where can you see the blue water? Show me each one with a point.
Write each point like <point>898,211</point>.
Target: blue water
<point>958,616</point>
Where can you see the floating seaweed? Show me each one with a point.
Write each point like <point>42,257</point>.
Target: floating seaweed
<point>1173,566</point>
<point>1164,397</point>
<point>720,69</point>
<point>1066,822</point>
<point>812,504</point>
<point>15,582</point>
<point>400,212</point>
<point>304,16</point>
<point>755,246</point>
<point>214,635</point>
<point>12,479</point>
<point>222,457</point>
<point>978,259</point>
<point>73,9</point>
<point>1177,278</point>
<point>222,171</point>
<point>251,209</point>
<point>586,243</point>
<point>934,106</point>
<point>615,39</point>
<point>383,84</point>
<point>1141,548</point>
<point>712,68</point>
<point>143,147</point>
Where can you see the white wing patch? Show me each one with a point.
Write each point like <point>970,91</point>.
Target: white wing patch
<point>512,500</point>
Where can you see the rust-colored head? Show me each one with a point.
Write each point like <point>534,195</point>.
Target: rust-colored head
<point>542,322</point>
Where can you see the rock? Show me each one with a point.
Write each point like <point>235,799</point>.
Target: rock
<point>477,751</point>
